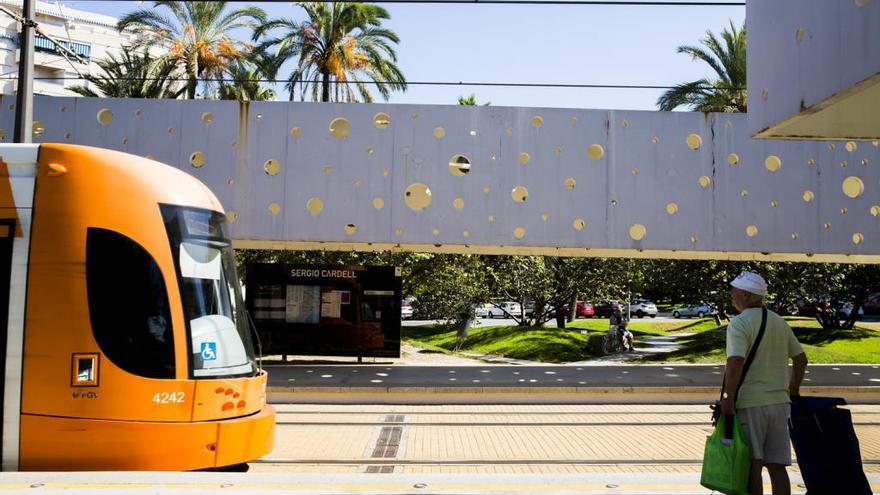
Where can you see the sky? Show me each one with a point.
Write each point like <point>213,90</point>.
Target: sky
<point>570,44</point>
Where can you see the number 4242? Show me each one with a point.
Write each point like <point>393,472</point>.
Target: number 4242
<point>169,397</point>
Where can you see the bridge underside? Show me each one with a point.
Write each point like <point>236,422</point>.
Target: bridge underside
<point>814,69</point>
<point>499,180</point>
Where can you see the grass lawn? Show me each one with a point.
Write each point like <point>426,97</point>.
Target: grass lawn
<point>859,345</point>
<point>549,345</point>
<point>707,345</point>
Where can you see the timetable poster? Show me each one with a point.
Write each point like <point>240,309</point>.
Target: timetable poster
<point>303,304</point>
<point>331,304</point>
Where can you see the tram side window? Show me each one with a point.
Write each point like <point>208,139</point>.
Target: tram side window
<point>128,305</point>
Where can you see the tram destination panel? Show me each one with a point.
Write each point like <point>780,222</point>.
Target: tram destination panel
<point>325,310</point>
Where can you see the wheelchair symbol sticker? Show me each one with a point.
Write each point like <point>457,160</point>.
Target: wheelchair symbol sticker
<point>209,351</point>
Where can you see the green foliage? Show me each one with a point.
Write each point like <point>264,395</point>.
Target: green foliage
<point>340,44</point>
<point>197,35</point>
<point>131,75</point>
<point>471,100</point>
<point>727,58</point>
<point>446,285</point>
<point>245,84</point>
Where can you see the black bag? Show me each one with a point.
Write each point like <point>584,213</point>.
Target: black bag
<point>826,446</point>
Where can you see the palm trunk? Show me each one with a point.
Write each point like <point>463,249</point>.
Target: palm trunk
<point>325,87</point>
<point>191,88</point>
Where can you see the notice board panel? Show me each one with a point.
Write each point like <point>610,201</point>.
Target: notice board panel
<point>325,310</point>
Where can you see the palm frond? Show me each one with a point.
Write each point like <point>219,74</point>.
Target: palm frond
<point>726,56</point>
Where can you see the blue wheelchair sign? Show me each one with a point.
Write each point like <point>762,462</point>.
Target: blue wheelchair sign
<point>209,351</point>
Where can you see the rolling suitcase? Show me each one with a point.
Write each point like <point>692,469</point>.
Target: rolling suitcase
<point>826,446</point>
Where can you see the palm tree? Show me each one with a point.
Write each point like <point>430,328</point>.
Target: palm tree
<point>725,94</point>
<point>471,100</point>
<point>197,35</point>
<point>245,84</point>
<point>341,44</point>
<point>132,75</point>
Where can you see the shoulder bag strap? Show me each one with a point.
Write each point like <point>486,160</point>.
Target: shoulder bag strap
<point>749,358</point>
<point>728,424</point>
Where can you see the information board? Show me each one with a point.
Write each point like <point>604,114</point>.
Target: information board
<point>325,310</point>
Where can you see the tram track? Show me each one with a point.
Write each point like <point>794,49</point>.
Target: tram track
<point>506,439</point>
<point>622,411</point>
<point>511,424</point>
<point>494,462</point>
<point>507,419</point>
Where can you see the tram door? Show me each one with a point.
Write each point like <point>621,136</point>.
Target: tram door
<point>7,234</point>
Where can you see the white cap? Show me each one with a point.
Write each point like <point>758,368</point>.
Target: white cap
<point>750,282</point>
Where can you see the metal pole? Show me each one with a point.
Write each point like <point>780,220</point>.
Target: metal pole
<point>24,98</point>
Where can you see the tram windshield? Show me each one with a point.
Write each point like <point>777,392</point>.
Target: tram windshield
<point>219,340</point>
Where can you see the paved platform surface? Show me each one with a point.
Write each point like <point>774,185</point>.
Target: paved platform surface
<point>460,449</point>
<point>507,439</point>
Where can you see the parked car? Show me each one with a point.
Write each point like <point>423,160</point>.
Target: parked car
<point>872,305</point>
<point>844,310</point>
<point>783,308</point>
<point>809,307</point>
<point>505,309</point>
<point>483,310</point>
<point>699,310</point>
<point>530,309</point>
<point>406,311</point>
<point>641,308</point>
<point>605,308</point>
<point>584,310</point>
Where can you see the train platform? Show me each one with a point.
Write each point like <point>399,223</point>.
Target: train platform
<point>484,449</point>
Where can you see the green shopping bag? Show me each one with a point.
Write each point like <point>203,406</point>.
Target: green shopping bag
<point>727,458</point>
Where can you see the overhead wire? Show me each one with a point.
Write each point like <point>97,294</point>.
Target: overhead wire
<point>409,83</point>
<point>58,45</point>
<point>67,53</point>
<point>624,3</point>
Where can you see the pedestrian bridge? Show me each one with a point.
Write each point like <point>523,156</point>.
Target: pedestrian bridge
<point>497,180</point>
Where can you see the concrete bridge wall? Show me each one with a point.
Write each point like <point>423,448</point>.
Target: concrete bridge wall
<point>594,182</point>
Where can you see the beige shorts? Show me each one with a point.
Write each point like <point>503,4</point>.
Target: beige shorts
<point>766,427</point>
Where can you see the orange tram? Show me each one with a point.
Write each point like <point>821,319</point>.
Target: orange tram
<point>126,342</point>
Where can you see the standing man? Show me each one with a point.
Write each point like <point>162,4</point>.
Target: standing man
<point>763,405</point>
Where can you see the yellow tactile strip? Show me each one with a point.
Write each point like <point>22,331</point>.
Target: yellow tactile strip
<point>513,408</point>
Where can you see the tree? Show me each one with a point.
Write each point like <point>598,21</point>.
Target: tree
<point>131,75</point>
<point>197,35</point>
<point>245,84</point>
<point>727,93</point>
<point>450,286</point>
<point>520,279</point>
<point>342,45</point>
<point>471,101</point>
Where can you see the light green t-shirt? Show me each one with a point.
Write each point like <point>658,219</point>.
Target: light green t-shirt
<point>767,379</point>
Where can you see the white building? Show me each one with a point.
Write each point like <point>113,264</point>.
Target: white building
<point>88,34</point>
